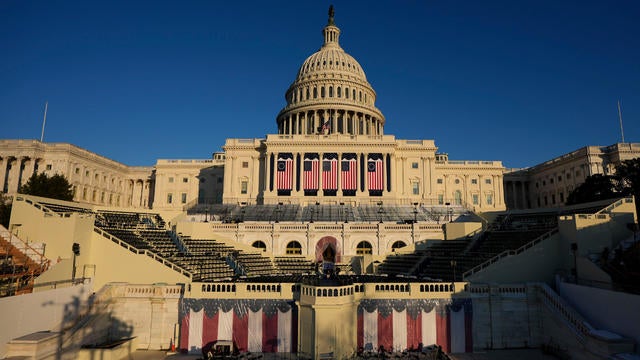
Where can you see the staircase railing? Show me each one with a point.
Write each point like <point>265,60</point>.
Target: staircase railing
<point>507,253</point>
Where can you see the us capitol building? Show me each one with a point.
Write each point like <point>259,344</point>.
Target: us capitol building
<point>327,240</point>
<point>330,148</point>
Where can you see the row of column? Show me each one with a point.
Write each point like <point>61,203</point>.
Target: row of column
<point>342,122</point>
<point>15,171</point>
<point>299,180</point>
<point>517,190</point>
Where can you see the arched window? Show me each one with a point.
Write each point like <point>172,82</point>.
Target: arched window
<point>330,91</point>
<point>315,93</point>
<point>397,245</point>
<point>457,197</point>
<point>363,248</point>
<point>346,92</point>
<point>294,248</point>
<point>259,245</point>
<point>322,92</point>
<point>339,91</point>
<point>354,94</point>
<point>360,96</point>
<point>307,97</point>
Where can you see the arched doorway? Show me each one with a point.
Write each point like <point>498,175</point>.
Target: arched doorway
<point>321,249</point>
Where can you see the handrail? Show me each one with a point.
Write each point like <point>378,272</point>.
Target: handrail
<point>616,204</point>
<point>137,251</point>
<point>506,253</point>
<point>571,318</point>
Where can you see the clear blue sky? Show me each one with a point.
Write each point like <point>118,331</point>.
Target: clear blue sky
<point>517,81</point>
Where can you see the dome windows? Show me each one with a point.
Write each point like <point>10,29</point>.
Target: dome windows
<point>330,91</point>
<point>315,93</point>
<point>346,92</point>
<point>339,92</point>
<point>322,92</point>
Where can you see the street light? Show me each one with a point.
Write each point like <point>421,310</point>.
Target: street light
<point>75,248</point>
<point>453,265</point>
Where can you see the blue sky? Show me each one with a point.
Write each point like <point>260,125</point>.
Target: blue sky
<point>136,81</point>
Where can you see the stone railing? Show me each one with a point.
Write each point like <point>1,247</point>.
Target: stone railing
<point>507,253</point>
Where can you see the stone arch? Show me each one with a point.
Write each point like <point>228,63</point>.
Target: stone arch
<point>397,245</point>
<point>328,242</point>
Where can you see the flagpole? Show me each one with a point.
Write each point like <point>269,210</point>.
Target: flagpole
<point>620,118</point>
<point>44,121</point>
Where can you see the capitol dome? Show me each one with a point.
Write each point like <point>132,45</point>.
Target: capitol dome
<point>331,94</point>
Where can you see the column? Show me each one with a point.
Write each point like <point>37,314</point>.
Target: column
<point>294,173</point>
<point>255,176</point>
<point>513,195</point>
<point>3,171</point>
<point>524,195</point>
<point>339,172</point>
<point>13,173</point>
<point>403,187</point>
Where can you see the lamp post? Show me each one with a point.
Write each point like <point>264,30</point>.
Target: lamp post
<point>574,250</point>
<point>453,265</point>
<point>75,248</point>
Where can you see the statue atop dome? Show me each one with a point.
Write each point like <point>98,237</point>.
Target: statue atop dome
<point>331,15</point>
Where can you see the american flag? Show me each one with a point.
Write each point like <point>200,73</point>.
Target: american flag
<point>326,125</point>
<point>285,172</point>
<point>311,174</point>
<point>374,174</point>
<point>330,174</point>
<point>348,178</point>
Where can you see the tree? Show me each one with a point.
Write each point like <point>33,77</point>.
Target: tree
<point>628,174</point>
<point>54,187</point>
<point>595,187</point>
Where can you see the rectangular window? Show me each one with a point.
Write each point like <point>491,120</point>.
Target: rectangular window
<point>568,175</point>
<point>243,187</point>
<point>439,181</point>
<point>77,170</point>
<point>414,165</point>
<point>475,199</point>
<point>553,199</point>
<point>487,181</point>
<point>86,173</point>
<point>185,180</point>
<point>551,181</point>
<point>474,181</point>
<point>416,188</point>
<point>489,199</point>
<point>559,177</point>
<point>171,179</point>
<point>440,199</point>
<point>183,198</point>
<point>48,166</point>
<point>245,164</point>
<point>169,198</point>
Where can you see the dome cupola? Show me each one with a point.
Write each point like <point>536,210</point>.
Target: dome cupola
<point>331,94</point>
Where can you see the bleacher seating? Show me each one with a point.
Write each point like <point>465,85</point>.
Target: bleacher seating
<point>294,264</point>
<point>253,264</point>
<point>65,208</point>
<point>447,260</point>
